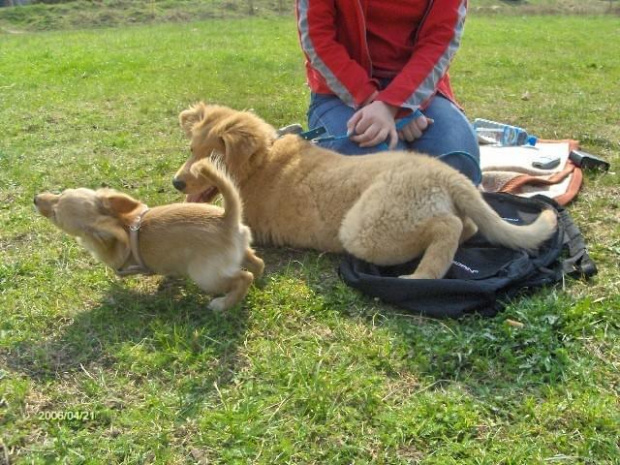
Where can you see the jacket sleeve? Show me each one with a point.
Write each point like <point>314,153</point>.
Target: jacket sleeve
<point>437,40</point>
<point>316,21</point>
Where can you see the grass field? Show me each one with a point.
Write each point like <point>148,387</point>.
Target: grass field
<point>98,370</point>
<point>85,14</point>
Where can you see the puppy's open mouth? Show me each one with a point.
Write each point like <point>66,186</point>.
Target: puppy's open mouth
<point>205,196</point>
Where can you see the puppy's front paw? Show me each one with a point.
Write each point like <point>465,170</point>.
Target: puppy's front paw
<point>218,304</point>
<point>259,269</point>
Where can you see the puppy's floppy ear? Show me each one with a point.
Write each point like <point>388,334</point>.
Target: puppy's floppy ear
<point>109,242</point>
<point>117,203</point>
<point>242,135</point>
<point>190,117</point>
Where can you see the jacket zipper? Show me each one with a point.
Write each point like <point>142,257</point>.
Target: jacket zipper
<point>421,24</point>
<point>365,38</point>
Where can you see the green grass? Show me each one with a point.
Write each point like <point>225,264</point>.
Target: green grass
<point>86,14</point>
<point>527,7</point>
<point>306,370</point>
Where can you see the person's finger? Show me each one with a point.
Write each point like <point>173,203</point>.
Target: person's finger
<point>393,138</point>
<point>353,122</point>
<point>379,137</point>
<point>421,123</point>
<point>363,125</point>
<point>364,137</point>
<point>365,140</point>
<point>414,131</point>
<point>408,134</point>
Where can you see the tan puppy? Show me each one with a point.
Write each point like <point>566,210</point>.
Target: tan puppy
<point>386,208</point>
<point>205,242</point>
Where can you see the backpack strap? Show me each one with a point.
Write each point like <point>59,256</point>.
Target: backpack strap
<point>578,264</point>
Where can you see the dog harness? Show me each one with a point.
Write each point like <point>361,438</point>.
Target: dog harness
<point>134,249</point>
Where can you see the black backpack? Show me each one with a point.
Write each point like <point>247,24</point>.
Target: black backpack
<point>483,276</point>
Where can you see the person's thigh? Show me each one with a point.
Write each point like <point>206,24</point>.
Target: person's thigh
<point>330,112</point>
<point>450,132</point>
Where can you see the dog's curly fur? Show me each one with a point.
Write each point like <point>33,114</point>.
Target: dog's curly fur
<point>385,208</point>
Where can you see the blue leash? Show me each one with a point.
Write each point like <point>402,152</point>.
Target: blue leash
<point>401,124</point>
<point>471,169</point>
<point>313,134</point>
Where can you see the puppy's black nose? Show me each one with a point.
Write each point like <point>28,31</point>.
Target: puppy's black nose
<point>178,184</point>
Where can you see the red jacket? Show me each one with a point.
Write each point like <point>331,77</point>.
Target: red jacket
<point>333,36</point>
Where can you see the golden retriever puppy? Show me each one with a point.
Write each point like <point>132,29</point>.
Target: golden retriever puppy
<point>385,208</point>
<point>205,242</point>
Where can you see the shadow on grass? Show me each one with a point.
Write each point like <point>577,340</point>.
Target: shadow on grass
<point>480,353</point>
<point>152,334</point>
<point>170,335</point>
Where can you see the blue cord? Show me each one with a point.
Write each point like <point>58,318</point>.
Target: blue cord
<point>314,133</point>
<point>461,161</point>
<point>399,125</point>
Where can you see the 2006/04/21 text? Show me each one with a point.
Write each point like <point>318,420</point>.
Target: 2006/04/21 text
<point>64,415</point>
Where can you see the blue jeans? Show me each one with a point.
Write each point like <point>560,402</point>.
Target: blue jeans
<point>449,136</point>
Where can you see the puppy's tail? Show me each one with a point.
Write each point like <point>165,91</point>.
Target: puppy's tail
<point>497,229</point>
<point>214,174</point>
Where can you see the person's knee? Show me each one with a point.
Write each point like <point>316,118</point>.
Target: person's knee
<point>450,132</point>
<point>472,147</point>
<point>465,163</point>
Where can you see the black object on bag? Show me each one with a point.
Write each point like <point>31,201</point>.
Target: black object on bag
<point>483,276</point>
<point>586,160</point>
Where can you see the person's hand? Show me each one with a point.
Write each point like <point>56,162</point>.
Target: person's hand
<point>373,124</point>
<point>414,128</point>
